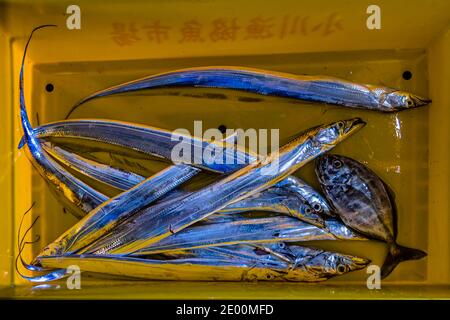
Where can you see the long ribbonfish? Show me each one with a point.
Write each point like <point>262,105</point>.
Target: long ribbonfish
<point>309,88</point>
<point>106,174</point>
<point>111,176</point>
<point>122,179</point>
<point>222,156</point>
<point>365,203</point>
<point>270,253</point>
<point>292,196</point>
<point>311,265</point>
<point>155,142</point>
<point>285,197</point>
<point>77,196</point>
<point>219,230</point>
<point>110,213</point>
<point>104,213</point>
<point>159,221</point>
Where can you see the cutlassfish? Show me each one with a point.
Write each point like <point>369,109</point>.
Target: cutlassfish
<point>310,265</point>
<point>219,230</point>
<point>159,221</point>
<point>104,213</point>
<point>309,88</point>
<point>155,142</point>
<point>284,197</point>
<point>225,157</point>
<point>77,196</point>
<point>292,196</point>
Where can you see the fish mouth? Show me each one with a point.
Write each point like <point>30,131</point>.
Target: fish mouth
<point>359,263</point>
<point>419,101</point>
<point>357,122</point>
<point>353,125</point>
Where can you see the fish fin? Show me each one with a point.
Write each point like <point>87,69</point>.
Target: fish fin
<point>398,254</point>
<point>389,190</point>
<point>391,196</point>
<point>27,128</point>
<point>21,143</point>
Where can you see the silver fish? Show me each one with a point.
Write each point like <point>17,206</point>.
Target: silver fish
<point>219,230</point>
<point>291,196</point>
<point>158,222</point>
<point>114,177</point>
<point>274,253</point>
<point>80,196</point>
<point>161,147</point>
<point>284,197</point>
<point>271,253</point>
<point>312,265</point>
<point>364,203</point>
<point>292,254</point>
<point>227,157</point>
<point>77,196</point>
<point>110,213</point>
<point>309,88</point>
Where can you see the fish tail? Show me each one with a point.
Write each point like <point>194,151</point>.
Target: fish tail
<point>398,254</point>
<point>26,125</point>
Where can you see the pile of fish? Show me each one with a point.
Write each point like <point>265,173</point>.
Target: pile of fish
<point>155,229</point>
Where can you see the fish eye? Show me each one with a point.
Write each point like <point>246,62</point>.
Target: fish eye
<point>282,245</point>
<point>341,268</point>
<point>308,210</point>
<point>340,125</point>
<point>409,103</point>
<point>337,164</point>
<point>317,207</point>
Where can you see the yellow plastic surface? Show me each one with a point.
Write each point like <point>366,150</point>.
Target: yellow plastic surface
<point>409,150</point>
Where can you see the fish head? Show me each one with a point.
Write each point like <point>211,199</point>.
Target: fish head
<point>343,264</point>
<point>327,136</point>
<point>401,100</point>
<point>310,215</point>
<point>300,200</point>
<point>309,195</point>
<point>320,206</point>
<point>330,264</point>
<point>333,169</point>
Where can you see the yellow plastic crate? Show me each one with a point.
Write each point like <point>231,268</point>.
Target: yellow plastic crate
<point>125,40</point>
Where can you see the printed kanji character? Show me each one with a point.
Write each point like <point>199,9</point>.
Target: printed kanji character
<point>259,28</point>
<point>332,24</point>
<point>123,35</point>
<point>224,30</point>
<point>157,32</point>
<point>294,26</point>
<point>191,32</point>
